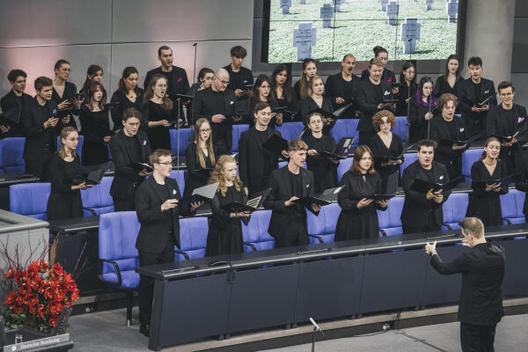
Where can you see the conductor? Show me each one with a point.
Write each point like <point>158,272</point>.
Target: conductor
<point>482,268</point>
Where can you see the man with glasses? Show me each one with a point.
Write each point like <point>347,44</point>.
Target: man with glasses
<point>14,105</point>
<point>158,209</point>
<point>217,104</point>
<point>507,122</point>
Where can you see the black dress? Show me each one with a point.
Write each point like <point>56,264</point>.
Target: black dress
<point>194,177</point>
<point>159,136</point>
<point>404,92</point>
<point>63,203</point>
<point>354,223</point>
<point>120,98</point>
<point>418,123</point>
<point>225,233</point>
<point>309,105</point>
<point>70,89</point>
<point>323,168</point>
<point>95,127</point>
<point>381,153</point>
<point>442,86</point>
<point>482,204</point>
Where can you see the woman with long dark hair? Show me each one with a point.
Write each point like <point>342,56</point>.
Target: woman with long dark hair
<point>158,113</point>
<point>93,74</point>
<point>406,88</point>
<point>423,108</point>
<point>262,92</point>
<point>282,90</point>
<point>128,95</point>
<point>225,230</point>
<point>309,69</point>
<point>358,218</point>
<point>484,201</point>
<point>448,82</point>
<point>65,198</point>
<point>95,124</point>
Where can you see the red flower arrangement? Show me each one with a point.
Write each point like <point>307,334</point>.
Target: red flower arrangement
<point>38,294</point>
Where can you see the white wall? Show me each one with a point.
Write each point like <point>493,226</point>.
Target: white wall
<point>118,33</point>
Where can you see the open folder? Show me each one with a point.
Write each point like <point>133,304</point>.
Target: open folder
<point>141,166</point>
<point>424,186</point>
<point>204,193</point>
<point>505,180</point>
<point>380,196</point>
<point>250,205</point>
<point>324,198</point>
<point>93,177</point>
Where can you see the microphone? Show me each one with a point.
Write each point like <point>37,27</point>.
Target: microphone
<point>316,327</point>
<point>195,44</point>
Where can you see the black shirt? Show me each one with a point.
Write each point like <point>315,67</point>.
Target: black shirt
<point>477,88</point>
<point>132,146</point>
<point>296,183</point>
<point>237,80</point>
<point>164,189</point>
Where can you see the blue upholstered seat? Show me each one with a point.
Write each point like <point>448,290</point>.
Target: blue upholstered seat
<point>255,233</point>
<point>11,156</point>
<point>30,199</point>
<point>401,128</point>
<point>345,128</point>
<point>344,166</point>
<point>389,220</point>
<point>179,145</point>
<point>290,130</point>
<point>321,228</point>
<point>512,204</point>
<point>468,158</point>
<point>179,176</point>
<point>97,200</point>
<point>454,209</point>
<point>193,238</point>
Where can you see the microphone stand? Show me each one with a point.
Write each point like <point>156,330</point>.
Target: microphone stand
<point>195,45</point>
<point>316,329</point>
<point>429,121</point>
<point>178,134</point>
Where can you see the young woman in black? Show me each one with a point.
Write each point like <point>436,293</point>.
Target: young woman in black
<point>128,95</point>
<point>282,91</point>
<point>262,92</point>
<point>300,89</point>
<point>423,108</point>
<point>323,167</point>
<point>225,229</point>
<point>96,126</point>
<point>93,74</point>
<point>64,166</point>
<point>406,89</point>
<point>448,83</point>
<point>200,156</point>
<point>358,218</point>
<point>317,100</point>
<point>158,113</point>
<point>387,148</point>
<point>484,201</point>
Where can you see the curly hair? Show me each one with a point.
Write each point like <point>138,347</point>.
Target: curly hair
<point>218,175</point>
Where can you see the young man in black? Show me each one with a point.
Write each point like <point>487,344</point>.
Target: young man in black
<point>505,120</point>
<point>288,218</point>
<point>128,146</point>
<point>41,126</point>
<point>256,162</point>
<point>217,104</point>
<point>14,105</point>
<point>341,87</point>
<point>422,212</point>
<point>373,94</point>
<point>475,97</point>
<point>480,306</point>
<point>177,80</point>
<point>240,78</point>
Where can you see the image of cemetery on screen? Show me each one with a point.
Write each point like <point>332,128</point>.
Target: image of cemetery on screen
<point>327,29</point>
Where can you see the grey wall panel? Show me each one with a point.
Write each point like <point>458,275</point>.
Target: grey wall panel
<point>39,61</point>
<point>54,22</point>
<point>520,81</point>
<point>520,46</point>
<point>143,56</point>
<point>185,20</point>
<point>521,8</point>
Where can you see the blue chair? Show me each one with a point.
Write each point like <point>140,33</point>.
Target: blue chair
<point>193,238</point>
<point>290,130</point>
<point>345,128</point>
<point>79,146</point>
<point>179,146</point>
<point>468,158</point>
<point>12,151</point>
<point>409,158</point>
<point>454,209</point>
<point>235,137</point>
<point>321,228</point>
<point>179,176</point>
<point>30,199</point>
<point>389,220</point>
<point>512,204</point>
<point>401,128</point>
<point>118,254</point>
<point>344,166</point>
<point>255,233</point>
<point>97,200</point>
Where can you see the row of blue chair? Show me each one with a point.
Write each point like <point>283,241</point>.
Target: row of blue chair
<point>31,199</point>
<point>12,149</point>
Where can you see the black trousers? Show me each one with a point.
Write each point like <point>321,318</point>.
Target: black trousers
<point>429,225</point>
<point>124,204</point>
<point>146,284</point>
<point>476,338</point>
<point>295,235</point>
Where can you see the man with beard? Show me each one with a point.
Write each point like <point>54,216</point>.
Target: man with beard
<point>341,87</point>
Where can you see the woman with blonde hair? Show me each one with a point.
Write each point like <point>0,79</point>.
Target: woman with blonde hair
<point>225,230</point>
<point>358,218</point>
<point>65,198</point>
<point>200,157</point>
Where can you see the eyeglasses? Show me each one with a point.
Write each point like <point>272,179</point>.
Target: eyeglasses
<point>165,163</point>
<point>206,130</point>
